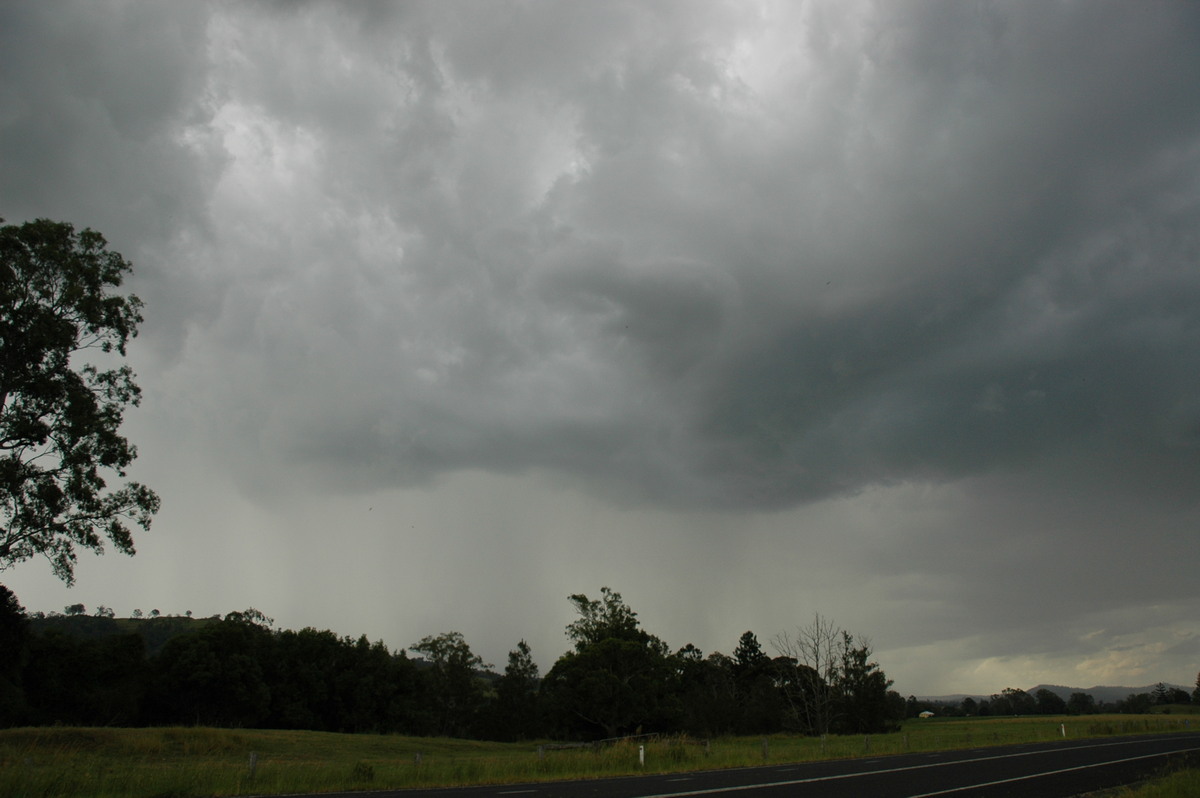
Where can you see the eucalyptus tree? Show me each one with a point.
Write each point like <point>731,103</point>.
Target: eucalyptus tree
<point>619,677</point>
<point>60,418</point>
<point>455,692</point>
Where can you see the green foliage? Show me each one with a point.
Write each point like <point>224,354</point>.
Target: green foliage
<point>765,688</point>
<point>1164,694</point>
<point>612,687</point>
<point>236,672</point>
<point>251,616</point>
<point>214,677</point>
<point>1049,702</point>
<point>708,693</point>
<point>454,691</point>
<point>1137,703</point>
<point>14,637</point>
<point>1012,701</point>
<point>92,680</point>
<point>618,678</point>
<point>242,672</point>
<point>749,656</point>
<point>1081,704</point>
<point>602,619</point>
<point>515,714</point>
<point>830,683</point>
<point>861,690</point>
<point>59,420</point>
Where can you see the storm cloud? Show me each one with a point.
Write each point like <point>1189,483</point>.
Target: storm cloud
<point>908,291</point>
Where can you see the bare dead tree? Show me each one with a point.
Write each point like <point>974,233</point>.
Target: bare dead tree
<point>817,652</point>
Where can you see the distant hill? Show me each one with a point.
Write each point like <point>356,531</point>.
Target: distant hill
<point>952,698</point>
<point>155,632</point>
<point>1102,694</point>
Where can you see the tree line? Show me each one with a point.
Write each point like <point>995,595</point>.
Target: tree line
<point>1014,701</point>
<point>616,679</point>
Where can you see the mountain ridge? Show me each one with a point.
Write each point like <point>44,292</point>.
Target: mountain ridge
<point>1103,694</point>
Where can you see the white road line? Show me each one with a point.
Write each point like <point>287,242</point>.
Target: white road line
<point>1053,772</point>
<point>763,785</point>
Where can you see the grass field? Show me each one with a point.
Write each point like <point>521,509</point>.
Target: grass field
<point>179,762</point>
<point>1181,784</point>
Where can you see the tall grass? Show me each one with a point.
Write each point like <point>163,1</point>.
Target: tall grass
<point>1182,784</point>
<point>1181,780</point>
<point>184,762</point>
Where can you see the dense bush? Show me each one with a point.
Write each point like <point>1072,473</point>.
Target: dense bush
<point>239,671</point>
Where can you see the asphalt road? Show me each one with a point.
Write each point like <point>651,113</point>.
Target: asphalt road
<point>1047,770</point>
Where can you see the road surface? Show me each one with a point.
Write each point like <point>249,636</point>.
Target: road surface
<point>1045,770</point>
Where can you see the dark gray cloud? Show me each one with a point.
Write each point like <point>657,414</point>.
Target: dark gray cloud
<point>768,269</point>
<point>94,96</point>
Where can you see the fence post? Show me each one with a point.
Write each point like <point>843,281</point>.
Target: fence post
<point>253,764</point>
<point>641,756</point>
<point>766,749</point>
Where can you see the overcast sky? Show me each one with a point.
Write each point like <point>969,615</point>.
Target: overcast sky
<point>888,311</point>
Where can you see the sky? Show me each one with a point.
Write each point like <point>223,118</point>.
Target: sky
<point>750,311</point>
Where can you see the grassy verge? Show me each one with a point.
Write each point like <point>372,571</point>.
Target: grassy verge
<point>181,762</point>
<point>1181,784</point>
<point>1180,781</point>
